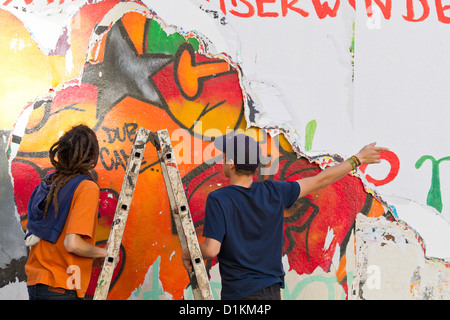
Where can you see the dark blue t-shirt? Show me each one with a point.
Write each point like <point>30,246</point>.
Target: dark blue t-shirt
<point>249,224</point>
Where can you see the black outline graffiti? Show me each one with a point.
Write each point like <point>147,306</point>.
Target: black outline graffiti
<point>131,75</point>
<point>306,204</point>
<point>201,80</point>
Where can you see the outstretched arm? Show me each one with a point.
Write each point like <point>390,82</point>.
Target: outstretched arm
<point>368,155</point>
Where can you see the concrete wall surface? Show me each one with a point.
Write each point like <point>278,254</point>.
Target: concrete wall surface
<point>312,81</point>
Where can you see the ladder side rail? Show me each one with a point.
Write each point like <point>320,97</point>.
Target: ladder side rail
<point>121,214</point>
<point>183,211</point>
<point>179,229</point>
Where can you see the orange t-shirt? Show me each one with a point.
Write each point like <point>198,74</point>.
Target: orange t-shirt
<point>51,264</point>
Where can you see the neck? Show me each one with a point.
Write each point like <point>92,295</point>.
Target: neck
<point>241,180</point>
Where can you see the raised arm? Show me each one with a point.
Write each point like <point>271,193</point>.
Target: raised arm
<point>368,155</point>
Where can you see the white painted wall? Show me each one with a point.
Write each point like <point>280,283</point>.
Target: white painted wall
<point>300,69</point>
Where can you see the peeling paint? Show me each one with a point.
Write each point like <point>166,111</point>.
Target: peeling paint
<point>397,253</point>
<point>328,239</point>
<point>151,288</point>
<point>394,251</point>
<point>427,223</point>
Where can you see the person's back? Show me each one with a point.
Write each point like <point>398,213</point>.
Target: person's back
<point>50,264</point>
<point>249,224</point>
<point>62,220</point>
<point>244,221</point>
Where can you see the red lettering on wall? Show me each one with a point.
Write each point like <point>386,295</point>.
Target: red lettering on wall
<point>251,8</point>
<point>289,5</point>
<point>410,14</point>
<point>440,12</point>
<point>385,8</point>
<point>323,9</point>
<point>260,6</point>
<point>249,13</point>
<point>394,162</point>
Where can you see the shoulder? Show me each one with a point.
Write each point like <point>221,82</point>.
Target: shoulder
<point>279,183</point>
<point>217,194</point>
<point>275,184</point>
<point>283,187</point>
<point>222,195</point>
<point>85,199</point>
<point>88,184</point>
<point>87,187</point>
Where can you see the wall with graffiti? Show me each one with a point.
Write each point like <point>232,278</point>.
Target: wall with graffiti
<point>117,66</point>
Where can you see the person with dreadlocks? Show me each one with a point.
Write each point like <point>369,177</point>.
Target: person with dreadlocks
<point>62,220</point>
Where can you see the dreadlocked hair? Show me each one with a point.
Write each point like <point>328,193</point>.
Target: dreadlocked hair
<point>75,153</point>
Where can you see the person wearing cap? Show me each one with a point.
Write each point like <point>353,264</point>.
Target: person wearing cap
<point>244,221</point>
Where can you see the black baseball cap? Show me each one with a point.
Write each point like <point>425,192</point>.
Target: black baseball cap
<point>242,149</point>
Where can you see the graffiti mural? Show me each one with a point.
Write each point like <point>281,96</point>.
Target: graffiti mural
<point>138,75</point>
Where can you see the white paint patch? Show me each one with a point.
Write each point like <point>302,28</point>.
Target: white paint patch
<point>426,221</point>
<point>391,264</point>
<point>328,239</point>
<point>14,291</point>
<point>188,17</point>
<point>45,29</point>
<point>69,61</point>
<point>47,24</point>
<point>337,256</point>
<point>17,44</point>
<point>269,94</point>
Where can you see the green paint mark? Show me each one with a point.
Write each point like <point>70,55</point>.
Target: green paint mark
<point>352,46</point>
<point>156,289</point>
<point>434,198</point>
<point>159,42</point>
<point>310,131</point>
<point>136,293</point>
<point>349,282</point>
<point>352,52</point>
